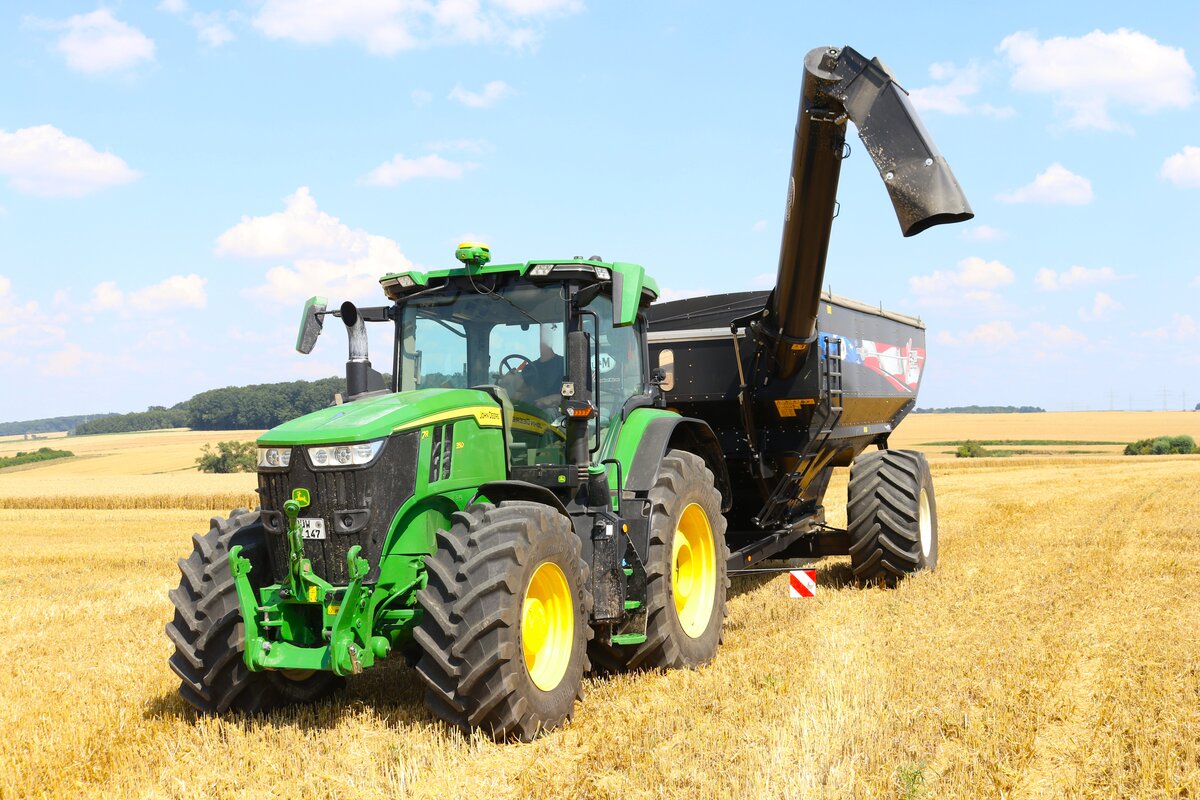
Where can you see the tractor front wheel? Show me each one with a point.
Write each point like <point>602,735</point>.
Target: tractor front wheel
<point>891,516</point>
<point>686,579</point>
<point>208,634</point>
<point>505,622</point>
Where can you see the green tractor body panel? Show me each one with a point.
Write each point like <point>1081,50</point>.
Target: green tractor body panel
<point>313,614</point>
<point>376,417</point>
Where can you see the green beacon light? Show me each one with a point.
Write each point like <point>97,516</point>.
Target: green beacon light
<point>473,254</point>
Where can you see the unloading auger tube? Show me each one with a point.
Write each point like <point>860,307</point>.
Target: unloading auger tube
<point>842,85</point>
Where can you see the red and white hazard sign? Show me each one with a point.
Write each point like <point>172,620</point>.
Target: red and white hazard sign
<point>802,583</point>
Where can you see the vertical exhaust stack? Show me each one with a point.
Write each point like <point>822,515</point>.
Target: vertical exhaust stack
<point>840,85</point>
<point>358,366</point>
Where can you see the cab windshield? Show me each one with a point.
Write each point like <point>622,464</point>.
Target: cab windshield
<point>512,336</point>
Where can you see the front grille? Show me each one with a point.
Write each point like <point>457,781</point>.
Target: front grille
<point>357,506</point>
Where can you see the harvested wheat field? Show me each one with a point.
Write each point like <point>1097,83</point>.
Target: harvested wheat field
<point>1054,653</point>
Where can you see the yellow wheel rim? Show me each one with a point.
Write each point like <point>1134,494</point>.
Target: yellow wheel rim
<point>694,570</point>
<point>547,626</point>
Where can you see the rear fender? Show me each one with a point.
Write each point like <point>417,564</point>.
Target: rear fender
<point>670,431</point>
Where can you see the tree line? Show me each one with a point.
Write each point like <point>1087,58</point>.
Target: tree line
<point>253,407</point>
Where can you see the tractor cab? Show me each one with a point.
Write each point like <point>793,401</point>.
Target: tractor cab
<point>508,334</point>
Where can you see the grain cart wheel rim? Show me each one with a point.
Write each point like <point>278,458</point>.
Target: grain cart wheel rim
<point>924,520</point>
<point>547,626</point>
<point>693,570</point>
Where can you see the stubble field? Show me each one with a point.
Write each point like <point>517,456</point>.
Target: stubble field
<point>1054,653</point>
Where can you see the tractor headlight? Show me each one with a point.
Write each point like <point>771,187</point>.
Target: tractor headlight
<point>274,457</point>
<point>344,455</point>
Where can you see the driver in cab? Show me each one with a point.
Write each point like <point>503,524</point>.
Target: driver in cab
<point>539,382</point>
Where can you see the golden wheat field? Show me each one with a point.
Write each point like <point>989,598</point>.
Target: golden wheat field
<point>1054,653</point>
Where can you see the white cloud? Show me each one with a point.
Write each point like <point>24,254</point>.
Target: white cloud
<point>973,282</point>
<point>950,96</point>
<point>98,42</point>
<point>65,362</point>
<point>400,169</point>
<point>421,97</point>
<point>475,147</point>
<point>1089,75</point>
<point>1048,280</point>
<point>106,296</point>
<point>1055,341</point>
<point>493,92</point>
<point>982,233</point>
<point>24,322</point>
<point>759,226</point>
<point>1184,326</point>
<point>172,294</point>
<point>325,256</point>
<point>43,160</point>
<point>386,27</point>
<point>537,7</point>
<point>1057,185</point>
<point>1183,168</point>
<point>211,27</point>
<point>995,335</point>
<point>1102,306</point>
<point>177,291</point>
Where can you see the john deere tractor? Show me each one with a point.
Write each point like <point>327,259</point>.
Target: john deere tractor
<point>524,500</point>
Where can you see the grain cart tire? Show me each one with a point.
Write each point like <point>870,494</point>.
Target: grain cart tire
<point>505,621</point>
<point>891,516</point>
<point>208,633</point>
<point>686,579</point>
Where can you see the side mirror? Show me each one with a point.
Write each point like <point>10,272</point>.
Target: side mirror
<point>310,324</point>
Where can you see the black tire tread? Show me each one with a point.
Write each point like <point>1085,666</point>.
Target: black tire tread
<point>470,654</point>
<point>207,630</point>
<point>882,515</point>
<point>680,470</point>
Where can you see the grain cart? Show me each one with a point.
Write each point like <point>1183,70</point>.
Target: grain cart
<point>527,498</point>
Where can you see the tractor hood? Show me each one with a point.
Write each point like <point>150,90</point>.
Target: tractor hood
<point>380,416</point>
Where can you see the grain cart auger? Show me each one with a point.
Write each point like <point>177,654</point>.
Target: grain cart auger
<point>520,504</point>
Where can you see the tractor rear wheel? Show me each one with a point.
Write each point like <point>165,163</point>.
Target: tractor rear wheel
<point>686,579</point>
<point>891,516</point>
<point>208,633</point>
<point>505,621</point>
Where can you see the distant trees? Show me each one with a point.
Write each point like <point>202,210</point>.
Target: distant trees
<point>972,450</point>
<point>41,454</point>
<point>154,418</point>
<point>47,425</point>
<point>262,405</point>
<point>1162,446</point>
<point>231,456</point>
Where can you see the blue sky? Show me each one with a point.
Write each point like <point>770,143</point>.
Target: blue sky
<point>176,177</point>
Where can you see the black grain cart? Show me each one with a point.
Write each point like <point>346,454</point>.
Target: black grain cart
<point>794,381</point>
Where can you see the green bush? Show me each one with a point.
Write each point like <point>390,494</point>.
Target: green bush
<point>228,457</point>
<point>970,449</point>
<point>1162,446</point>
<point>41,454</point>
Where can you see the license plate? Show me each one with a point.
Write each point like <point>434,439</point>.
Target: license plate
<point>312,528</point>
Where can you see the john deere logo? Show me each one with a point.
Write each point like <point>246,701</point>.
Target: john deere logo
<point>607,363</point>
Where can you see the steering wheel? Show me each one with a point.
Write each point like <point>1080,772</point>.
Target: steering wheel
<point>510,369</point>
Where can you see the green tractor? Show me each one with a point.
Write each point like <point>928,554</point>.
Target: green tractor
<point>467,515</point>
<point>529,499</point>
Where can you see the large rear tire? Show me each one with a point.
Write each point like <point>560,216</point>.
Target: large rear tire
<point>208,633</point>
<point>686,581</point>
<point>891,516</point>
<point>505,621</point>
